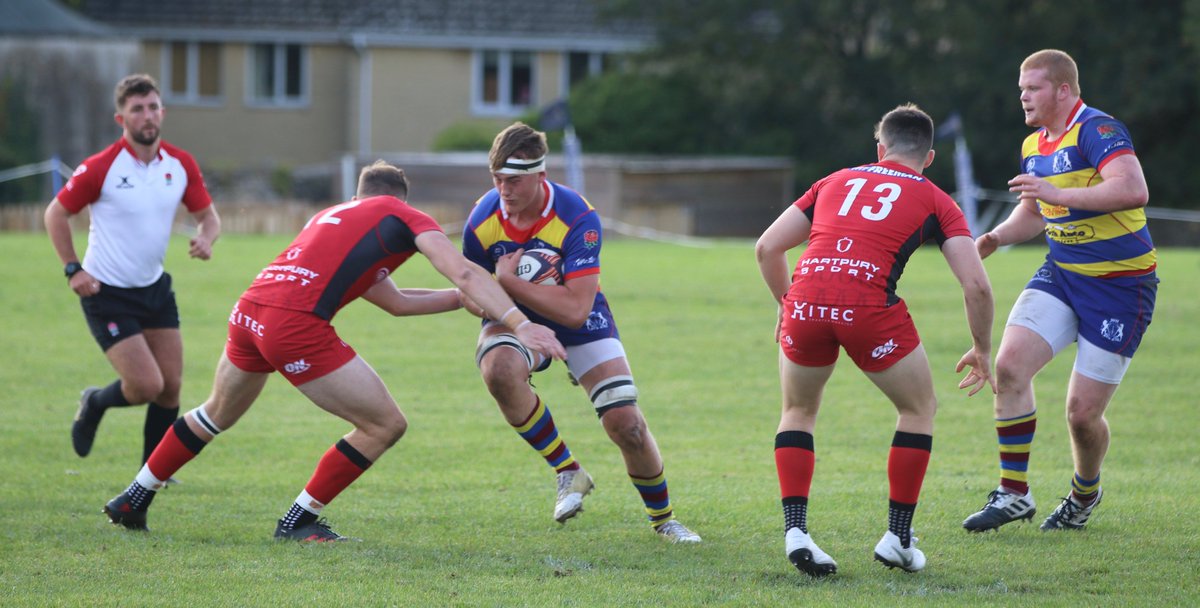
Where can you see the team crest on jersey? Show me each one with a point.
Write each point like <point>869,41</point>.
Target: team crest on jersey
<point>1112,330</point>
<point>294,253</point>
<point>168,176</point>
<point>1107,131</point>
<point>1062,162</point>
<point>596,321</point>
<point>1030,165</point>
<point>591,238</point>
<point>844,244</point>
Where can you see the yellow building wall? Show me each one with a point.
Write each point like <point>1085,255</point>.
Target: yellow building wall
<point>415,95</point>
<point>235,133</point>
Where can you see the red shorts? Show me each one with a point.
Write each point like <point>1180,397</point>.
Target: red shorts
<point>299,345</point>
<point>874,337</point>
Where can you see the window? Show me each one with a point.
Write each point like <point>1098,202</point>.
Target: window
<point>504,82</point>
<point>278,75</point>
<point>192,72</point>
<point>579,66</point>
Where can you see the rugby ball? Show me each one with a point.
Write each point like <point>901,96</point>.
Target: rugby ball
<point>541,266</point>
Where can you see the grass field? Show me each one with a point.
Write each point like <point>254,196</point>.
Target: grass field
<point>459,512</point>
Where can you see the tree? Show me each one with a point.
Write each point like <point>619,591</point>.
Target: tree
<point>809,78</point>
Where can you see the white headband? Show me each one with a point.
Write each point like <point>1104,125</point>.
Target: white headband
<point>521,166</point>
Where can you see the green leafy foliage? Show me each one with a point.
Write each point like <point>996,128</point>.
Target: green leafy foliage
<point>19,143</point>
<point>810,78</point>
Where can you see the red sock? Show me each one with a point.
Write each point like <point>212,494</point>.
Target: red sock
<point>794,463</point>
<point>907,462</point>
<point>179,446</point>
<point>337,469</point>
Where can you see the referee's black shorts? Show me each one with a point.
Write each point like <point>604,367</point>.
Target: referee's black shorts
<point>116,313</point>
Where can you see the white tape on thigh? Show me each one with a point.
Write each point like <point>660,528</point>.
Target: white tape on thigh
<point>498,340</point>
<point>614,391</point>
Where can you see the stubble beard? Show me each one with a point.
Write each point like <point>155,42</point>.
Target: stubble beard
<point>147,136</point>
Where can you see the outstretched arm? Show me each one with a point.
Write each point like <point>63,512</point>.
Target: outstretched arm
<point>479,286</point>
<point>411,301</point>
<point>964,262</point>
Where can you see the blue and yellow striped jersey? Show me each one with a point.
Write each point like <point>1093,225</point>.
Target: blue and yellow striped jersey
<point>569,225</point>
<point>1090,243</point>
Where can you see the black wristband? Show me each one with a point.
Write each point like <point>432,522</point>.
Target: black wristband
<point>71,268</point>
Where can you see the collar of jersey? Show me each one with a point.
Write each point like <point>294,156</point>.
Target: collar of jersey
<point>521,236</point>
<point>129,148</point>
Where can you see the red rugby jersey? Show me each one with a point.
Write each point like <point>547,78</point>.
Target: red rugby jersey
<point>866,223</point>
<point>341,252</point>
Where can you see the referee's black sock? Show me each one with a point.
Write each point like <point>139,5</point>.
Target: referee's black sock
<point>101,400</point>
<point>158,420</point>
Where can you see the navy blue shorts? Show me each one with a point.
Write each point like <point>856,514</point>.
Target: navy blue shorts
<point>1113,313</point>
<point>116,313</point>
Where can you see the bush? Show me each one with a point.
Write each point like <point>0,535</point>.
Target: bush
<point>467,136</point>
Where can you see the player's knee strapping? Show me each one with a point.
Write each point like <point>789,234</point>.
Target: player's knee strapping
<point>493,342</point>
<point>613,392</point>
<point>202,418</point>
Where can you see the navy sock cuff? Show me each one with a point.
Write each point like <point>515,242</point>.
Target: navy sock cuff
<point>190,440</point>
<point>916,441</point>
<point>794,439</point>
<point>353,455</point>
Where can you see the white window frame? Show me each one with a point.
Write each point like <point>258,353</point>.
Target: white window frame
<point>192,95</point>
<point>278,98</point>
<point>502,107</point>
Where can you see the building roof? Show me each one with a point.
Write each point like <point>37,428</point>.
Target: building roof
<point>46,18</point>
<point>471,23</point>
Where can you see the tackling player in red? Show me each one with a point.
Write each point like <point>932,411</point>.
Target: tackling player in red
<point>282,323</point>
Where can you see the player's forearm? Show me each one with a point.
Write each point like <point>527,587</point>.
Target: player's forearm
<point>427,301</point>
<point>208,225</point>
<point>482,289</point>
<point>1115,194</point>
<point>1022,224</point>
<point>980,310</point>
<point>567,305</point>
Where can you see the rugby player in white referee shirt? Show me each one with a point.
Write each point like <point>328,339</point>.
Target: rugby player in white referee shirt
<point>133,189</point>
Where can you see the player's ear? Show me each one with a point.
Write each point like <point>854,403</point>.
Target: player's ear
<point>120,120</point>
<point>880,150</point>
<point>929,158</point>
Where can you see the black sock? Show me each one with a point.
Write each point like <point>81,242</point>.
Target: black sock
<point>297,516</point>
<point>109,396</point>
<point>158,420</point>
<point>795,513</point>
<point>139,497</point>
<point>900,518</point>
